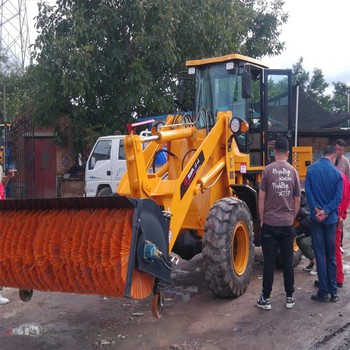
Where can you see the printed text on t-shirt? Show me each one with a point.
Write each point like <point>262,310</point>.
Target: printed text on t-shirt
<point>281,184</point>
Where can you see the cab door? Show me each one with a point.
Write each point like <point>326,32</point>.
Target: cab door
<point>277,109</point>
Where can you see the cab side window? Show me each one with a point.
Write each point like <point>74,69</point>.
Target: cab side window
<point>101,152</point>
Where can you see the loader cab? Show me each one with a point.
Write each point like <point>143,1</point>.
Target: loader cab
<point>218,87</point>
<point>244,86</point>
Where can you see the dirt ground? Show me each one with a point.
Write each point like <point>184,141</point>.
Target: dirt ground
<point>193,317</point>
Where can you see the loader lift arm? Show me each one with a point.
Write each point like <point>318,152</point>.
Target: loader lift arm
<point>176,194</point>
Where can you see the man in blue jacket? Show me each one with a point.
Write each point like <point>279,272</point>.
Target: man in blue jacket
<point>323,186</point>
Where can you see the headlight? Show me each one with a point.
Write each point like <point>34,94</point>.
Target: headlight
<point>238,126</point>
<point>235,125</point>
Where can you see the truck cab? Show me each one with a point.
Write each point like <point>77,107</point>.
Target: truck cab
<point>105,166</point>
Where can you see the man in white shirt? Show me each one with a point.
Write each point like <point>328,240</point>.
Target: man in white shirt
<point>343,165</point>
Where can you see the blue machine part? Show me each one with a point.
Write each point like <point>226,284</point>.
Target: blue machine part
<point>161,158</point>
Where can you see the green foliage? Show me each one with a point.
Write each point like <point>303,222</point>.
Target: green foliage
<point>14,86</point>
<point>103,62</point>
<point>340,98</point>
<point>300,76</point>
<point>317,89</point>
<point>315,86</point>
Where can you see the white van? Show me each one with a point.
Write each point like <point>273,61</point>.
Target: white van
<point>105,166</point>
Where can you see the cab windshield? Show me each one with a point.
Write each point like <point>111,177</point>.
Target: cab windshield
<point>218,89</point>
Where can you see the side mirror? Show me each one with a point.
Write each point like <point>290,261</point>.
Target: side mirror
<point>80,160</point>
<point>92,163</point>
<point>246,84</point>
<point>181,93</point>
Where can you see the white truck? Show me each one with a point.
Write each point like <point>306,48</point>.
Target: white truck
<point>105,166</point>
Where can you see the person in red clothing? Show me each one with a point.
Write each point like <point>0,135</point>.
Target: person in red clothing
<point>4,179</point>
<point>342,211</point>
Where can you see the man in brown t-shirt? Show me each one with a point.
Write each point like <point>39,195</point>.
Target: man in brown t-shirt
<point>279,201</point>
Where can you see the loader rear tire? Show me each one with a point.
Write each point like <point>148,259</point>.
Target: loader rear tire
<point>297,255</point>
<point>228,250</point>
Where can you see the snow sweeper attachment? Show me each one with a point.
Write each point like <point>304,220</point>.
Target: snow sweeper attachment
<point>113,246</point>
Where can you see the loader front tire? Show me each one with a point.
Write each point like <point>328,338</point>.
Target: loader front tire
<point>228,250</point>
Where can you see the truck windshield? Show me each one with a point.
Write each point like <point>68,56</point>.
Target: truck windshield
<point>218,89</point>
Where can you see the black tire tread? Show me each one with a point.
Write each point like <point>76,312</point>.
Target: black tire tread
<point>217,257</point>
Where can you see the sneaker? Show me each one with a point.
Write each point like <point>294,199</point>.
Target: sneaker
<point>309,267</point>
<point>3,301</point>
<point>342,250</point>
<point>313,272</point>
<point>339,285</point>
<point>290,302</point>
<point>264,303</point>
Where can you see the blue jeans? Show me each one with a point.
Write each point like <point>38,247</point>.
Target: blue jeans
<point>323,242</point>
<point>272,238</point>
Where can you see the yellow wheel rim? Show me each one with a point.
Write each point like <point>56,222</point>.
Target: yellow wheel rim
<point>295,246</point>
<point>240,248</point>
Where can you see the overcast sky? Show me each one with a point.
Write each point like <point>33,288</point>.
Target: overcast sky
<point>318,31</point>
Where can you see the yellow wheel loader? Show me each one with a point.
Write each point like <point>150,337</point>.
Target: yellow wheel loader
<point>203,199</point>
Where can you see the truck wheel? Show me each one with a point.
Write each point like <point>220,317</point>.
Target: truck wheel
<point>228,250</point>
<point>105,192</point>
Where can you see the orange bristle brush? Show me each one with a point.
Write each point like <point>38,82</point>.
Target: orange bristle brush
<point>83,251</point>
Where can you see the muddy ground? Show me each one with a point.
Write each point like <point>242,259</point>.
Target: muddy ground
<point>193,317</point>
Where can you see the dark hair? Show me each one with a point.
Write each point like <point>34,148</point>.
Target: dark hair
<point>340,142</point>
<point>282,145</point>
<point>329,150</point>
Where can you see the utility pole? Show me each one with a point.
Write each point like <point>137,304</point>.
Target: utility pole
<point>14,32</point>
<point>4,95</point>
<point>14,40</point>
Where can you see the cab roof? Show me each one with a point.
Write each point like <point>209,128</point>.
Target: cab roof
<point>227,58</point>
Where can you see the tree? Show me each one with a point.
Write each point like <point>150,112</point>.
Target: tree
<point>315,86</point>
<point>14,85</point>
<point>317,89</point>
<point>300,76</point>
<point>340,97</point>
<point>102,62</point>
